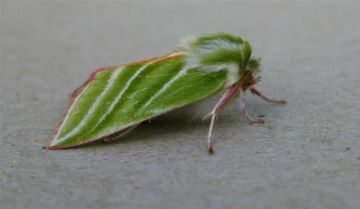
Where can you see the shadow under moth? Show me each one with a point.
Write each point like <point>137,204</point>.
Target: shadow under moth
<point>200,78</point>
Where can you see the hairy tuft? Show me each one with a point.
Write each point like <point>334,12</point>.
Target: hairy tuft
<point>220,51</point>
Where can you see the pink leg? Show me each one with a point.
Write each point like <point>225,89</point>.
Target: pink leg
<point>210,147</point>
<point>243,108</point>
<point>258,93</point>
<point>229,95</point>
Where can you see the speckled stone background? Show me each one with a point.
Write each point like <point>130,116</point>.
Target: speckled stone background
<point>306,156</point>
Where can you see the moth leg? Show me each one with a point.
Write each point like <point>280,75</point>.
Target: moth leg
<point>258,93</point>
<point>243,108</point>
<point>228,96</point>
<point>210,147</point>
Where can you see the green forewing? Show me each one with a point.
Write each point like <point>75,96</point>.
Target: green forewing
<point>119,97</point>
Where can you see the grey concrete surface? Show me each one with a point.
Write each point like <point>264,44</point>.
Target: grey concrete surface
<point>306,156</point>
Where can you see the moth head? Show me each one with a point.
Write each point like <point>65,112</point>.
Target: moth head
<point>249,80</point>
<point>221,52</point>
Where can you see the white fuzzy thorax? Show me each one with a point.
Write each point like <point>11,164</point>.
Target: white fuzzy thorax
<point>194,56</point>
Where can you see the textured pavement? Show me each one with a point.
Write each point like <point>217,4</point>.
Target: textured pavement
<point>307,155</point>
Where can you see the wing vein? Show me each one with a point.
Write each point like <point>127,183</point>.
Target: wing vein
<point>180,74</point>
<point>93,107</point>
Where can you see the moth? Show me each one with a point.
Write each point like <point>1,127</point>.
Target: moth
<point>200,78</point>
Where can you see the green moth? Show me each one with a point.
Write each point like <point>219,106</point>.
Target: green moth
<point>200,79</point>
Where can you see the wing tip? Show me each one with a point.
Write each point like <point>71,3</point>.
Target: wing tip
<point>52,145</point>
<point>48,147</point>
